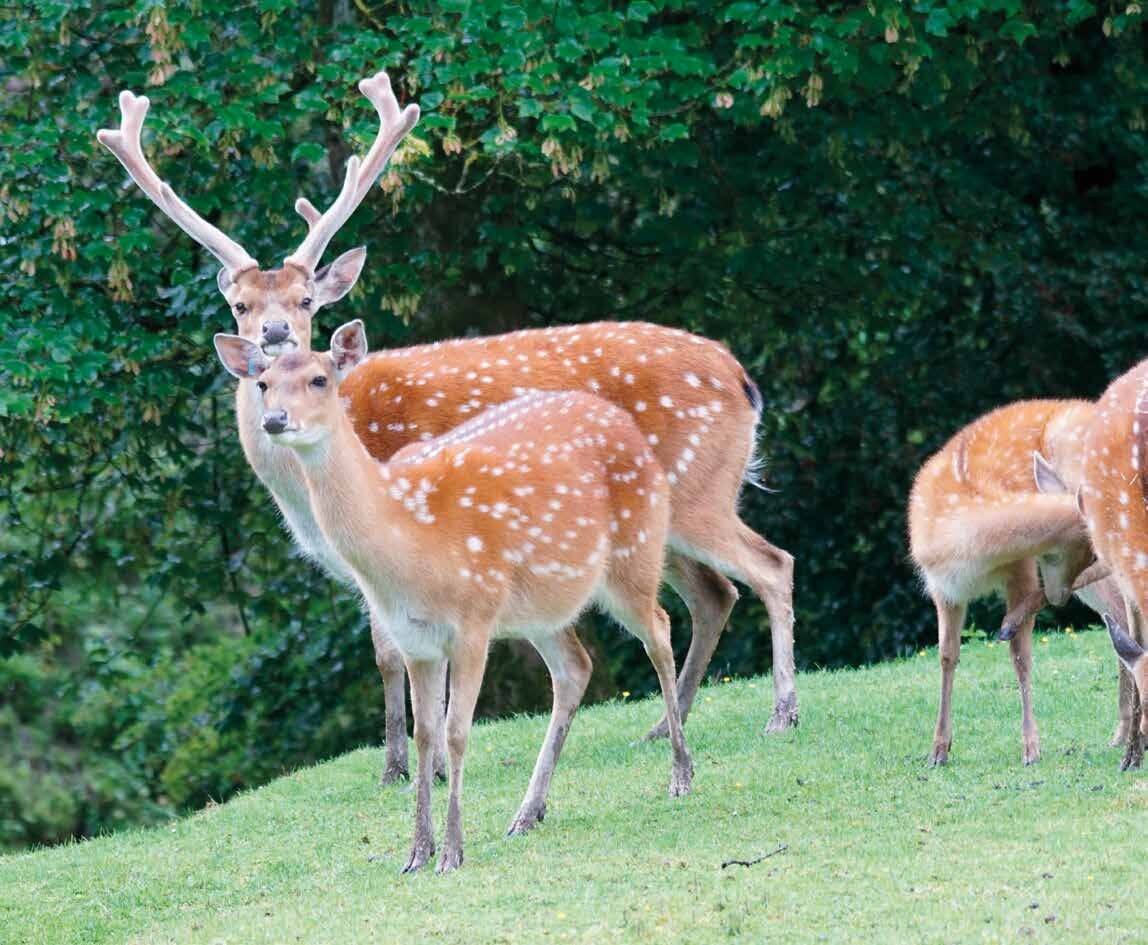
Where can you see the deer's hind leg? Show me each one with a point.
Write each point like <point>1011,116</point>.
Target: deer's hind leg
<point>630,595</point>
<point>730,546</point>
<point>1020,583</point>
<point>950,621</point>
<point>570,667</point>
<point>709,596</point>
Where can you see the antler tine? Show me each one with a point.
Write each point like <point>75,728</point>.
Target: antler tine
<point>307,211</point>
<point>394,125</point>
<point>124,143</point>
<point>322,229</point>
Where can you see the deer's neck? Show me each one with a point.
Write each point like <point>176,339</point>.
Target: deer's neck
<point>279,470</point>
<point>352,504</point>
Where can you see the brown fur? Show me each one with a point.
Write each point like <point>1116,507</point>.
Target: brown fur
<point>509,525</point>
<point>1113,500</point>
<point>977,525</point>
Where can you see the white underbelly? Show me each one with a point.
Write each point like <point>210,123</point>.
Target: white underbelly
<point>959,584</point>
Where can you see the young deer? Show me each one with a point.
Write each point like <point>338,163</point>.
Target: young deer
<point>986,514</point>
<point>1114,501</point>
<point>507,526</point>
<point>689,396</point>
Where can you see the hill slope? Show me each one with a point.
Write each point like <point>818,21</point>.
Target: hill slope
<point>877,847</point>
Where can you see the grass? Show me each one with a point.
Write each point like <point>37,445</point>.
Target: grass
<point>877,847</point>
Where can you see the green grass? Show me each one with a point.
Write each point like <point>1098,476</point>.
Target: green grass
<point>878,848</point>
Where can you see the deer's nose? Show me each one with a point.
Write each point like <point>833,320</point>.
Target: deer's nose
<point>275,421</point>
<point>275,333</point>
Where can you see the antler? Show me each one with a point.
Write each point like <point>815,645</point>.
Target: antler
<point>124,143</point>
<point>394,125</point>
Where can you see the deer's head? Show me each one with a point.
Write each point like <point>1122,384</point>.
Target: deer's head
<point>299,390</point>
<point>273,308</point>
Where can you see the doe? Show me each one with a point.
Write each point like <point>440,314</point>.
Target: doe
<point>507,526</point>
<point>989,513</point>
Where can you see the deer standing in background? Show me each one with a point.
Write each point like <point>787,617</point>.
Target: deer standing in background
<point>690,398</point>
<point>990,512</point>
<point>507,526</point>
<point>1114,501</point>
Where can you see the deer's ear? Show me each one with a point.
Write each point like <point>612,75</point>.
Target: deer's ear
<point>335,279</point>
<point>1047,481</point>
<point>223,280</point>
<point>348,347</point>
<point>242,358</point>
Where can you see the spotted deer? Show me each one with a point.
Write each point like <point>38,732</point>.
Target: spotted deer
<point>990,512</point>
<point>1114,501</point>
<point>691,399</point>
<point>507,526</point>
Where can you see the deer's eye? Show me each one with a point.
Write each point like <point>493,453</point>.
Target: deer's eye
<point>240,308</point>
<point>261,385</point>
<point>320,381</point>
<point>306,303</point>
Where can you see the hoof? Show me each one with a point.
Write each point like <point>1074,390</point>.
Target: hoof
<point>661,730</point>
<point>526,820</point>
<point>394,773</point>
<point>1007,632</point>
<point>1031,753</point>
<point>1133,760</point>
<point>450,860</point>
<point>421,852</point>
<point>784,715</point>
<point>1120,736</point>
<point>939,756</point>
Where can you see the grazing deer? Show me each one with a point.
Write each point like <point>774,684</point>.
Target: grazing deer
<point>987,513</point>
<point>1114,501</point>
<point>689,396</point>
<point>507,526</point>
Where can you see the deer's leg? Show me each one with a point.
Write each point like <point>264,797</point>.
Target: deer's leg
<point>440,752</point>
<point>467,665</point>
<point>1104,596</point>
<point>1134,746</point>
<point>648,622</point>
<point>390,663</point>
<point>1125,706</point>
<point>569,665</point>
<point>950,620</point>
<point>710,597</point>
<point>740,553</point>
<point>1020,585</point>
<point>426,688</point>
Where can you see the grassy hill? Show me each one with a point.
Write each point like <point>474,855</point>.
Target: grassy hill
<point>877,848</point>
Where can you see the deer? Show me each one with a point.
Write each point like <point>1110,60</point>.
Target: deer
<point>692,400</point>
<point>990,513</point>
<point>1112,498</point>
<point>509,525</point>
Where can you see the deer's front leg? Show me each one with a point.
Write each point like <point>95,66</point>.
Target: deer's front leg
<point>467,665</point>
<point>390,663</point>
<point>426,684</point>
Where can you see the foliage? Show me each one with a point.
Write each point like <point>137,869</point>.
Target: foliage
<point>896,215</point>
<point>875,844</point>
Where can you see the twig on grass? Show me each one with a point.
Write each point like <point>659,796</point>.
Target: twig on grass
<point>765,856</point>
